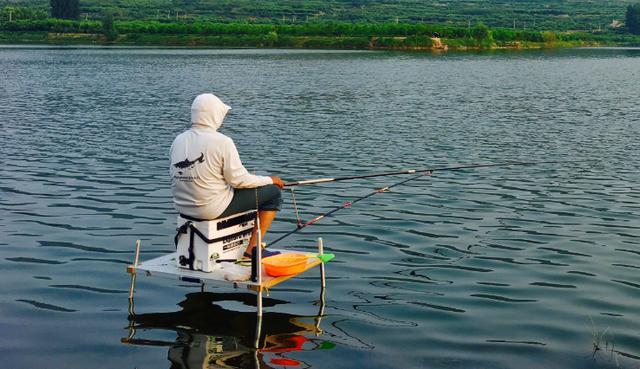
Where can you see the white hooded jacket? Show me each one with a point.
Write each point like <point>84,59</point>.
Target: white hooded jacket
<point>205,165</point>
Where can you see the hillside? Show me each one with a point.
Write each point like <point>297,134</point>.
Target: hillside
<point>560,15</point>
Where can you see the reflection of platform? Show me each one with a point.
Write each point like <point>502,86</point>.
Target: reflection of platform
<point>228,272</point>
<point>208,335</point>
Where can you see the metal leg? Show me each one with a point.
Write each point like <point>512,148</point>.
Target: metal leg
<point>259,302</point>
<point>256,343</point>
<point>133,270</point>
<point>256,359</point>
<point>258,258</point>
<point>322,288</point>
<point>132,287</point>
<point>320,252</point>
<point>132,314</point>
<point>320,315</point>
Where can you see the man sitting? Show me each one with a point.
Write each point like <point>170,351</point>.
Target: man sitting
<point>208,179</point>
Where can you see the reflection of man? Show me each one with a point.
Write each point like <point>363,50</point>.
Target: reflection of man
<point>208,179</point>
<point>197,351</point>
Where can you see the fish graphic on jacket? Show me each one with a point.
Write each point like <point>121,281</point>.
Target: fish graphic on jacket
<point>188,164</point>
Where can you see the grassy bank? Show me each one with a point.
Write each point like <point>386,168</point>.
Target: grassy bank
<point>46,38</point>
<point>300,42</point>
<point>372,36</point>
<point>142,39</point>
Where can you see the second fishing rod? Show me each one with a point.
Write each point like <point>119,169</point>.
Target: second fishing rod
<point>347,204</point>
<point>420,173</point>
<point>425,170</point>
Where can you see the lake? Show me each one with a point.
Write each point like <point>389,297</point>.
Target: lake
<point>500,267</point>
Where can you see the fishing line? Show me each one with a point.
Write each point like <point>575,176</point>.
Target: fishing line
<point>421,173</point>
<point>346,205</point>
<point>416,171</point>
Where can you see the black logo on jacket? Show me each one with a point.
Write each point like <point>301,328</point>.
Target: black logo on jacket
<point>188,164</point>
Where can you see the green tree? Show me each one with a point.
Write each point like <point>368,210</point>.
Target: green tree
<point>549,37</point>
<point>65,9</point>
<point>481,32</point>
<point>633,19</point>
<point>270,39</point>
<point>108,27</point>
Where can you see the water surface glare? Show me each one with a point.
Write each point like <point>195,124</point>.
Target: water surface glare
<point>511,267</point>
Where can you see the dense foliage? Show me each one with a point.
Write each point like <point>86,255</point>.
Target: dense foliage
<point>316,31</point>
<point>325,29</point>
<point>53,25</point>
<point>559,15</point>
<point>11,13</point>
<point>65,9</point>
<point>633,19</point>
<point>327,34</point>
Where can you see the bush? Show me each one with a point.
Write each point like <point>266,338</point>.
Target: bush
<point>549,37</point>
<point>481,32</point>
<point>270,39</point>
<point>15,13</point>
<point>108,28</point>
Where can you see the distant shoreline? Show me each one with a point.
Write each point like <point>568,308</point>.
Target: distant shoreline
<point>303,42</point>
<point>338,36</point>
<point>417,37</point>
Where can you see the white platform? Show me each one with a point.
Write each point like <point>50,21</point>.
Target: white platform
<point>237,274</point>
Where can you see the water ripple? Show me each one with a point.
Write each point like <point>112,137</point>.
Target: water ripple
<point>518,342</point>
<point>445,271</point>
<point>87,288</point>
<point>500,298</point>
<point>552,285</point>
<point>45,306</point>
<point>626,283</point>
<point>438,307</point>
<point>70,245</point>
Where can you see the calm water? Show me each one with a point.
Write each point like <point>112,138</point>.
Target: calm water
<point>522,267</point>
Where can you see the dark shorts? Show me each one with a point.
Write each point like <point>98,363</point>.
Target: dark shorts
<point>269,198</point>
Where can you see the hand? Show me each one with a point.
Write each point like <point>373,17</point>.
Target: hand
<point>278,182</point>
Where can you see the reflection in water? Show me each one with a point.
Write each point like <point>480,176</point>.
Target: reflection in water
<point>210,336</point>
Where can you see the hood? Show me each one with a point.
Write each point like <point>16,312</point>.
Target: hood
<point>208,110</point>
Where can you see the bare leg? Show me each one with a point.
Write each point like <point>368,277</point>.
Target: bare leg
<point>266,217</point>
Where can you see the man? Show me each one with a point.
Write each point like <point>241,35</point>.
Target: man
<point>208,179</point>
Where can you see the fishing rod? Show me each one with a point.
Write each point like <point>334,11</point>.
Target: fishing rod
<point>346,205</point>
<point>427,170</point>
<point>421,173</point>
